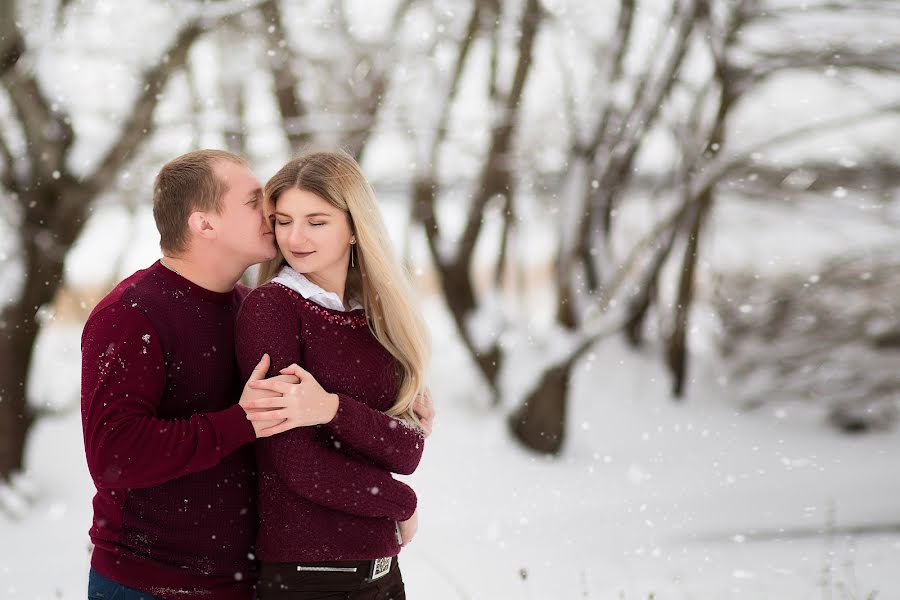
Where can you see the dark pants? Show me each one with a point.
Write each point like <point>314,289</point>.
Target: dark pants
<point>101,588</point>
<point>282,581</point>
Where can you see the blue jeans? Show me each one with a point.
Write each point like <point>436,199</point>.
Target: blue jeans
<point>101,588</point>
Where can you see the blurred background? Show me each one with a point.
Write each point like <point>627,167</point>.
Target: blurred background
<point>656,241</point>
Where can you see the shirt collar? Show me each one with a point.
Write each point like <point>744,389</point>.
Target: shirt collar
<point>298,282</point>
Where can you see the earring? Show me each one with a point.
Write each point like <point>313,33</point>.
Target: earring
<point>352,243</point>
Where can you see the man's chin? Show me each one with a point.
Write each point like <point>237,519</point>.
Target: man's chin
<point>268,257</point>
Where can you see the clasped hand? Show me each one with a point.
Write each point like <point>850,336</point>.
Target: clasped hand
<point>292,399</point>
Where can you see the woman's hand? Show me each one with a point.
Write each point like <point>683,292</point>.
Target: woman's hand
<point>408,528</point>
<point>424,409</point>
<point>294,404</point>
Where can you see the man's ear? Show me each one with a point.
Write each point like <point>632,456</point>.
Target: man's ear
<point>200,225</point>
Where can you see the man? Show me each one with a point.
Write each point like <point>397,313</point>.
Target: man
<point>165,438</point>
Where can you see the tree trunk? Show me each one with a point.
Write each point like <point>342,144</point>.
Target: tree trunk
<point>540,423</point>
<point>455,284</point>
<point>460,298</point>
<point>640,304</point>
<point>16,343</point>
<point>676,352</point>
<point>19,327</point>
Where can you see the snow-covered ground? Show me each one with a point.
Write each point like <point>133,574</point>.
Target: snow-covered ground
<point>648,498</point>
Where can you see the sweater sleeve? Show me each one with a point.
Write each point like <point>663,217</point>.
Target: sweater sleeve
<point>123,381</point>
<point>304,460</point>
<point>311,469</point>
<point>389,442</point>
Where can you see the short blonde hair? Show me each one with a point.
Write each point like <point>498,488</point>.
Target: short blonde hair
<point>184,185</point>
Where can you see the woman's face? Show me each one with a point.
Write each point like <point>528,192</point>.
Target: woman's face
<point>313,236</point>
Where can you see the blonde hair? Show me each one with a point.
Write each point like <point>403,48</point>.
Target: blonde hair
<point>378,280</point>
<point>184,185</point>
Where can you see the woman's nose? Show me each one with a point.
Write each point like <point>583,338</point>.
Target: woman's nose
<point>296,237</point>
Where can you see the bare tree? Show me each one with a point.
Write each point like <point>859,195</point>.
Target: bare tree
<point>827,338</point>
<point>347,86</point>
<point>592,279</point>
<point>50,203</point>
<point>495,179</point>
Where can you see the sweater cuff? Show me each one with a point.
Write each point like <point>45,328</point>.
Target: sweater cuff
<point>232,428</point>
<point>344,416</point>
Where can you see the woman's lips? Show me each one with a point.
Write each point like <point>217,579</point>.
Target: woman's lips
<point>301,254</point>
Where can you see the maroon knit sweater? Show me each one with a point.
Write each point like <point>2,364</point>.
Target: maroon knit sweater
<point>174,513</point>
<point>326,492</point>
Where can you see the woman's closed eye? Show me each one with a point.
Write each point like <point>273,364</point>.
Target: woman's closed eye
<point>316,224</point>
<point>282,222</point>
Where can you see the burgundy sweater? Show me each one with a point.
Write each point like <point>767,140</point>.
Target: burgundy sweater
<point>326,492</point>
<point>166,443</point>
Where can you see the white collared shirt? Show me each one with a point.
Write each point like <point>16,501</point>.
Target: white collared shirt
<point>298,282</point>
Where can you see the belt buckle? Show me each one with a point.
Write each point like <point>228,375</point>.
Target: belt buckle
<point>380,568</point>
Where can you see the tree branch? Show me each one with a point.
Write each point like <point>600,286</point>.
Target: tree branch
<point>448,98</point>
<point>138,127</point>
<point>425,186</point>
<point>48,132</point>
<point>759,13</point>
<point>495,176</point>
<point>624,29</point>
<point>9,168</point>
<point>767,64</point>
<point>722,166</point>
<point>291,106</point>
<point>12,46</point>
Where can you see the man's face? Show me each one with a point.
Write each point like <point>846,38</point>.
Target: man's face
<point>242,231</point>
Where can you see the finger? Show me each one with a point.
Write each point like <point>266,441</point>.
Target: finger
<point>261,368</point>
<point>423,411</point>
<point>424,408</point>
<point>269,415</point>
<point>275,429</point>
<point>286,378</point>
<point>297,371</point>
<point>265,403</point>
<point>272,384</point>
<point>262,429</point>
<point>424,397</point>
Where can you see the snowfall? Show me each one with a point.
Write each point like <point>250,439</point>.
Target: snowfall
<point>649,497</point>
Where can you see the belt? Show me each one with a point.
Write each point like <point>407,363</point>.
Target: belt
<point>349,574</point>
<point>374,569</point>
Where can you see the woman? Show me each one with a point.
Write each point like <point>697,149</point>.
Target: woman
<point>334,309</point>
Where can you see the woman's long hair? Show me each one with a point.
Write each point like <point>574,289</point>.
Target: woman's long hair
<point>378,280</point>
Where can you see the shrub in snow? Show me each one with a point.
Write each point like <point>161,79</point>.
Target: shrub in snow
<point>831,338</point>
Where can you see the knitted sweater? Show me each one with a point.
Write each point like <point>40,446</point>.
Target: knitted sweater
<point>326,492</point>
<point>166,443</point>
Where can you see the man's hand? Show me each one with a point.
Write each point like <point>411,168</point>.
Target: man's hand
<point>262,425</point>
<point>424,409</point>
<point>291,404</point>
<point>408,528</point>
